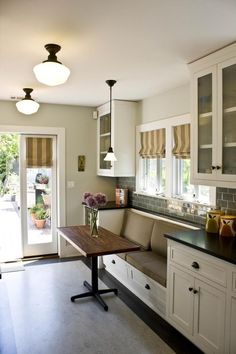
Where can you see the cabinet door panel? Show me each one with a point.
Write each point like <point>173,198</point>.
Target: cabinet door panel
<point>181,299</point>
<point>233,326</point>
<point>209,316</point>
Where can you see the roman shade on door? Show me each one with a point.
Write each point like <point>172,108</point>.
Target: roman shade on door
<point>38,152</point>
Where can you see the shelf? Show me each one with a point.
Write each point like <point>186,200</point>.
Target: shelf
<point>206,146</point>
<point>230,110</point>
<point>205,115</point>
<point>229,145</point>
<point>105,134</point>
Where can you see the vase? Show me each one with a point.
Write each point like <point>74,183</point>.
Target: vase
<point>93,222</point>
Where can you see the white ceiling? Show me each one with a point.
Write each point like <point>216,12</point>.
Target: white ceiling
<point>143,44</point>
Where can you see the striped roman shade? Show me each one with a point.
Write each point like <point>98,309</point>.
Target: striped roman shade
<point>153,144</point>
<point>181,148</point>
<point>38,152</point>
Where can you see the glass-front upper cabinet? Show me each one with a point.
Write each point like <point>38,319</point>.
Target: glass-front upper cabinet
<point>204,86</point>
<point>213,111</point>
<point>227,73</point>
<point>104,140</point>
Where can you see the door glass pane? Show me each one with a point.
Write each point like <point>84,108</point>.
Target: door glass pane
<point>229,120</point>
<point>39,205</point>
<point>205,124</point>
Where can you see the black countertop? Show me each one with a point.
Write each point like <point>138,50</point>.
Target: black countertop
<point>213,244</point>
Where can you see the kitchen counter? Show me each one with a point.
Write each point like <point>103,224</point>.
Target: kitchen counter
<point>213,244</point>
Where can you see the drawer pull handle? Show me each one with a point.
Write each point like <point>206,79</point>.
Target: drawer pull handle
<point>195,291</point>
<point>195,265</point>
<point>190,289</point>
<point>147,287</point>
<point>113,261</point>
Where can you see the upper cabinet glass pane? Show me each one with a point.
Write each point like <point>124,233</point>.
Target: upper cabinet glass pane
<point>229,120</point>
<point>205,124</point>
<point>105,124</point>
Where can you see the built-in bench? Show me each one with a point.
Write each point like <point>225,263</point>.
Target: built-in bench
<point>145,272</point>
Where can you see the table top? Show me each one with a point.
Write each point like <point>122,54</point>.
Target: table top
<point>106,243</point>
<point>213,244</point>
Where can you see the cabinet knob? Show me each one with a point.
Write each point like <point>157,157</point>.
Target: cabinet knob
<point>147,287</point>
<point>218,167</point>
<point>213,167</point>
<point>195,291</point>
<point>195,265</point>
<point>113,261</point>
<point>190,289</point>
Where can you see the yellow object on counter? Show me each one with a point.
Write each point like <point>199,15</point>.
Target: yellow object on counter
<point>213,221</point>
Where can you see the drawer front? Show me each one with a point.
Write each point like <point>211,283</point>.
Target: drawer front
<point>234,282</point>
<point>192,261</point>
<point>149,291</point>
<point>115,265</point>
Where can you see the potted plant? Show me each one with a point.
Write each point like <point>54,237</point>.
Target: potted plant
<point>40,218</point>
<point>33,210</point>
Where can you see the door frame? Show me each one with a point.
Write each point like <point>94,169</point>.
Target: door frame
<point>60,169</point>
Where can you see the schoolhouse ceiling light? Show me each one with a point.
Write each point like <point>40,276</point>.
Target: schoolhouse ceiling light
<point>27,105</point>
<point>51,72</point>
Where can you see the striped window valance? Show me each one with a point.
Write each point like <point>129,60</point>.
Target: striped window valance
<point>38,152</point>
<point>153,144</point>
<point>181,148</point>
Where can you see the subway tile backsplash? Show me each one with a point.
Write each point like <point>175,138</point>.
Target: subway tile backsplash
<point>225,200</point>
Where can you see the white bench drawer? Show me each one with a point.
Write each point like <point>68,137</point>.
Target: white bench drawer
<point>234,281</point>
<point>148,290</point>
<point>116,266</point>
<point>212,270</point>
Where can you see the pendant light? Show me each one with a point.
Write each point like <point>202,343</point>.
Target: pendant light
<point>110,156</point>
<point>27,105</point>
<point>51,72</point>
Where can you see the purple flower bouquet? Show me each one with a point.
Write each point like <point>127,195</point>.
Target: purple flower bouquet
<point>93,201</point>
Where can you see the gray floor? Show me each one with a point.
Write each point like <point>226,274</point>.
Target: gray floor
<point>37,316</point>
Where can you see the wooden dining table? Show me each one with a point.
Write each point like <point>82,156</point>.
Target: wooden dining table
<point>106,243</point>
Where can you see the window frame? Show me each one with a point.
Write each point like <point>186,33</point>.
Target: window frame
<point>168,124</point>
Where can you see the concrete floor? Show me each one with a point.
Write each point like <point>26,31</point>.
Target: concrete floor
<point>37,316</point>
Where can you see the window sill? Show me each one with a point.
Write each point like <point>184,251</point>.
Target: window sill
<point>173,199</point>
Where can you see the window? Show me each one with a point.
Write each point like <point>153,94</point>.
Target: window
<point>168,174</point>
<point>153,174</point>
<point>183,189</point>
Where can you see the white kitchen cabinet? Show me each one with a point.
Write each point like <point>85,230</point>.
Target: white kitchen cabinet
<point>196,304</point>
<point>118,132</point>
<point>233,325</point>
<point>213,114</point>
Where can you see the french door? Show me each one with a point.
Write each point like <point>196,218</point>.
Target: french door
<point>38,189</point>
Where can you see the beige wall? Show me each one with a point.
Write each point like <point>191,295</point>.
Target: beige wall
<point>172,103</point>
<point>80,130</point>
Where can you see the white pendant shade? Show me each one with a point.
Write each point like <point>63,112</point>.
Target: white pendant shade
<point>27,105</point>
<point>51,73</point>
<point>110,156</point>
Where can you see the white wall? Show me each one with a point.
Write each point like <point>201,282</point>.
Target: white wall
<point>80,131</point>
<point>172,103</point>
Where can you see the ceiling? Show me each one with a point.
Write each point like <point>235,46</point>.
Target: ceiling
<point>143,44</point>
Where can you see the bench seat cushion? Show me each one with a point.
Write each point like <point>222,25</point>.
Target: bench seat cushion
<point>137,228</point>
<point>151,264</point>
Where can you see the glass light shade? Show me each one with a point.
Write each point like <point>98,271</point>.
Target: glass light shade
<point>27,106</point>
<point>51,73</point>
<point>110,156</point>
